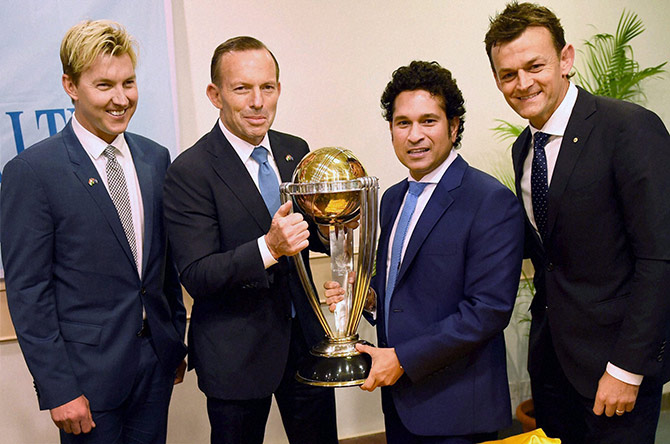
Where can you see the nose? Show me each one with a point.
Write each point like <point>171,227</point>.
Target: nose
<point>120,98</point>
<point>256,98</point>
<point>415,133</point>
<point>525,80</point>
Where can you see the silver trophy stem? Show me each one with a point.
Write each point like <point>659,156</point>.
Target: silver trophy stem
<point>312,295</point>
<point>341,265</point>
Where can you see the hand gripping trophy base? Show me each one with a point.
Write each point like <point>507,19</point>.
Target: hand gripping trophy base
<point>335,363</point>
<point>330,187</point>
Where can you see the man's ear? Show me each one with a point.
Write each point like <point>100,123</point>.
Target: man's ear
<point>567,59</point>
<point>454,123</point>
<point>214,95</point>
<point>70,87</point>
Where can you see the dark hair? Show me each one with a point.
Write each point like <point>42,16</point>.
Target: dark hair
<point>513,21</point>
<point>242,43</point>
<point>431,77</point>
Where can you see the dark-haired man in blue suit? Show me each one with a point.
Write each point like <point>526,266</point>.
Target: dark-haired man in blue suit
<point>92,291</point>
<point>448,269</point>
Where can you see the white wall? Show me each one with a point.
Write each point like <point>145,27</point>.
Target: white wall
<point>336,57</point>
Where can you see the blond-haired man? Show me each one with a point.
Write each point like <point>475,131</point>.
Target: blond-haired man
<point>92,290</point>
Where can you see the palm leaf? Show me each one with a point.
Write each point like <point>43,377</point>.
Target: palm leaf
<point>610,66</point>
<point>506,130</point>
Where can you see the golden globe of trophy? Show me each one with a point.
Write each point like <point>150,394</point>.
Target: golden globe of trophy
<point>330,186</point>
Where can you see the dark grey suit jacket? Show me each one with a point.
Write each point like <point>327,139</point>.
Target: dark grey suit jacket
<point>602,275</point>
<point>240,325</point>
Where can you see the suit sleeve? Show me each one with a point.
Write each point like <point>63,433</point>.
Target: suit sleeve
<point>27,248</point>
<point>494,253</point>
<point>642,174</point>
<point>172,285</point>
<point>192,223</point>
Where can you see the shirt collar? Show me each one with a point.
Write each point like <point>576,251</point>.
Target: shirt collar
<point>558,121</point>
<point>93,144</point>
<point>436,175</point>
<point>242,147</point>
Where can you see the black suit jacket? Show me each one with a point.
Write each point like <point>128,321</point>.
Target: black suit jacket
<point>602,275</point>
<point>240,325</point>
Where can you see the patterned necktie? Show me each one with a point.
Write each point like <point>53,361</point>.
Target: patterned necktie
<point>415,190</point>
<point>267,180</point>
<point>118,191</point>
<point>538,183</point>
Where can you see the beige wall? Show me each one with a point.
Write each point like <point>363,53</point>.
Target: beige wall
<point>336,57</point>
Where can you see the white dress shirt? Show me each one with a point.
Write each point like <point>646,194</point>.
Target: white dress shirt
<point>94,146</point>
<point>244,150</point>
<point>555,127</point>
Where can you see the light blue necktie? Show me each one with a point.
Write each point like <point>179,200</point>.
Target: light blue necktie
<point>267,180</point>
<point>415,190</point>
<point>538,183</point>
<point>269,185</point>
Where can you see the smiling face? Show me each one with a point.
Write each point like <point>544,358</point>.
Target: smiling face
<point>532,76</point>
<point>248,94</point>
<point>421,133</point>
<point>105,96</point>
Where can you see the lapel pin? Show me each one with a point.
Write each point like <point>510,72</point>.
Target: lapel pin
<point>92,181</point>
<point>575,140</point>
<point>289,158</point>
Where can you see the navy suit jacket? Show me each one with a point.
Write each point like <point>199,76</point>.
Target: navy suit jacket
<point>603,273</point>
<point>454,295</point>
<point>74,293</point>
<point>241,320</point>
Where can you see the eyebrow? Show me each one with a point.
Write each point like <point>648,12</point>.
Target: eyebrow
<point>527,63</point>
<point>422,116</point>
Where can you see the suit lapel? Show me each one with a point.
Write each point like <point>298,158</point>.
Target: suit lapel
<point>392,201</point>
<point>574,139</point>
<point>230,169</point>
<point>438,204</point>
<point>145,179</point>
<point>283,158</point>
<point>84,169</point>
<point>520,151</point>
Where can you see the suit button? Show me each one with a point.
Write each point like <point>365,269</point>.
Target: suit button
<point>659,358</point>
<point>143,291</point>
<point>550,267</point>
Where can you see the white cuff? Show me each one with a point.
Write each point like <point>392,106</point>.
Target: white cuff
<point>623,375</point>
<point>268,259</point>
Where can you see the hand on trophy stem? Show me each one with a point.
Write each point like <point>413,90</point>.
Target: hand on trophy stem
<point>335,293</point>
<point>288,233</point>
<point>386,368</point>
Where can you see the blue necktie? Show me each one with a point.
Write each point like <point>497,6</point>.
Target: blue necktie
<point>415,190</point>
<point>269,185</point>
<point>539,187</point>
<point>267,180</point>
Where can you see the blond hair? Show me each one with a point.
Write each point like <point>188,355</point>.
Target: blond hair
<point>84,42</point>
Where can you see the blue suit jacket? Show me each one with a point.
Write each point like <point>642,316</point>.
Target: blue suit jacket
<point>453,297</point>
<point>73,289</point>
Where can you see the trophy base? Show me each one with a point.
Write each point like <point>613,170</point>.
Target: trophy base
<point>323,368</point>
